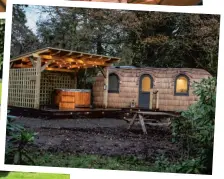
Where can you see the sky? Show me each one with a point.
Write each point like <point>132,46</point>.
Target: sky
<point>33,14</point>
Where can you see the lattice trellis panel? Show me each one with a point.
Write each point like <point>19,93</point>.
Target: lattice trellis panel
<point>21,91</point>
<point>52,80</point>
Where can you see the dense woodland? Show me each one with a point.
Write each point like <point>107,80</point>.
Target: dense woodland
<point>154,39</point>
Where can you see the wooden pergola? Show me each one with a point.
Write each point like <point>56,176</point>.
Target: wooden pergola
<point>55,60</point>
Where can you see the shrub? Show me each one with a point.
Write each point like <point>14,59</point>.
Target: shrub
<point>194,130</point>
<point>17,139</point>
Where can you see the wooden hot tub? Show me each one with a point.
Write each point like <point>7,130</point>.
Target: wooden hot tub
<point>72,98</point>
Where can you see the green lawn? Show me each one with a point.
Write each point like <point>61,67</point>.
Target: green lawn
<point>92,161</point>
<point>24,175</point>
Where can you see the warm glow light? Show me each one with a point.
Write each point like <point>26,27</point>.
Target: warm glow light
<point>49,57</point>
<point>69,59</point>
<point>146,84</point>
<point>181,85</point>
<point>80,61</point>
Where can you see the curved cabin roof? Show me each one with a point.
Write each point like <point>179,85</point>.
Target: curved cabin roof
<point>162,72</point>
<point>55,59</point>
<point>2,5</point>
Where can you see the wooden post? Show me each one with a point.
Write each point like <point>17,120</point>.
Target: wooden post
<point>157,100</point>
<point>75,79</point>
<point>37,85</point>
<point>141,120</point>
<point>151,99</point>
<point>105,92</point>
<point>32,61</point>
<point>11,65</point>
<point>45,65</point>
<point>132,121</point>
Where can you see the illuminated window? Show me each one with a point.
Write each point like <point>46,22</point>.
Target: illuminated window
<point>113,83</point>
<point>146,83</point>
<point>182,85</point>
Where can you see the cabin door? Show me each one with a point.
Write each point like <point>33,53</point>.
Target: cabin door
<point>145,85</point>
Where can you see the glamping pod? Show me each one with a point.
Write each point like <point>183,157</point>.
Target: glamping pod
<point>164,89</point>
<point>47,78</point>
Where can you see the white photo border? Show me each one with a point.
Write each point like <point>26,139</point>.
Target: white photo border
<point>84,173</point>
<point>2,15</point>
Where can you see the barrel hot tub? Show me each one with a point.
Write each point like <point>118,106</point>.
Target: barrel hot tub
<point>72,98</point>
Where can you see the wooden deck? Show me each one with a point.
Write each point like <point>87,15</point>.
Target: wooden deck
<point>79,110</point>
<point>51,112</point>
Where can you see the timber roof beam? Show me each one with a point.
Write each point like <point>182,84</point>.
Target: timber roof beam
<point>60,59</point>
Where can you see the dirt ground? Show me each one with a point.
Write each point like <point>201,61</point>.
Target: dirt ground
<point>108,137</point>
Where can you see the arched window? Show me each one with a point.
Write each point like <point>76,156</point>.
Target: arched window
<point>181,85</point>
<point>146,83</point>
<point>113,83</point>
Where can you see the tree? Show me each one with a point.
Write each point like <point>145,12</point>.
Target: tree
<point>195,129</point>
<point>23,39</point>
<point>155,39</point>
<point>177,40</point>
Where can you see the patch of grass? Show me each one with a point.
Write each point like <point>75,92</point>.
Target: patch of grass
<point>24,175</point>
<point>91,161</point>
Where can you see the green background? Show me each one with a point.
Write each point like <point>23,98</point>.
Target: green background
<point>24,175</point>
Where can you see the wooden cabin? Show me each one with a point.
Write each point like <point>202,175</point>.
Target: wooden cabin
<point>49,76</point>
<point>164,89</point>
